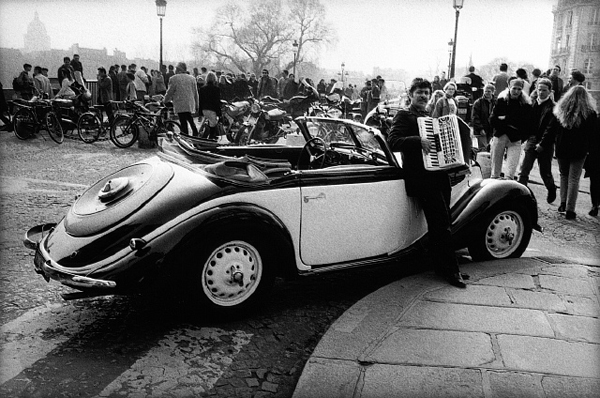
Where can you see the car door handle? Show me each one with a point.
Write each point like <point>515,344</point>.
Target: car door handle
<point>319,196</point>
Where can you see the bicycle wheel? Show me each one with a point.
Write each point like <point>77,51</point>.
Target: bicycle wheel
<point>89,127</point>
<point>124,132</point>
<point>172,127</point>
<point>24,124</point>
<point>55,130</point>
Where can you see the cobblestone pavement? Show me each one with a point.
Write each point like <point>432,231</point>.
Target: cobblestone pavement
<point>110,346</point>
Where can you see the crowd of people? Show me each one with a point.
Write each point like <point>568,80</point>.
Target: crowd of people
<point>517,119</point>
<point>521,121</point>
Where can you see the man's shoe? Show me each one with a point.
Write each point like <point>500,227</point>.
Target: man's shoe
<point>570,215</point>
<point>456,279</point>
<point>562,207</point>
<point>551,195</point>
<point>594,211</point>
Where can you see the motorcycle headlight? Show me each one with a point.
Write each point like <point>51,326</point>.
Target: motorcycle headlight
<point>255,108</point>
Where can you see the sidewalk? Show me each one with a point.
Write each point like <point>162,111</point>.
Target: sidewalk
<point>522,328</point>
<point>527,327</point>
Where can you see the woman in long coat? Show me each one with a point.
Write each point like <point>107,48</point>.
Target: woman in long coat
<point>575,125</point>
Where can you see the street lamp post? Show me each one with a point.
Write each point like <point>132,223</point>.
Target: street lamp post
<point>450,52</point>
<point>342,74</point>
<point>457,4</point>
<point>295,45</point>
<point>161,8</point>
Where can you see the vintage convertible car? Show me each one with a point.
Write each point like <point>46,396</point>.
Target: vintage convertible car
<point>224,221</point>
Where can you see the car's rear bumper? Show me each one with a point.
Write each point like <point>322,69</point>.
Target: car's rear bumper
<point>50,269</point>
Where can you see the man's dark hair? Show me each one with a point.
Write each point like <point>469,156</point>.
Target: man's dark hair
<point>203,69</point>
<point>471,68</point>
<point>123,67</point>
<point>75,55</point>
<point>578,76</point>
<point>26,66</point>
<point>171,67</point>
<point>522,73</point>
<point>503,67</point>
<point>419,82</point>
<point>37,69</point>
<point>536,72</point>
<point>102,70</point>
<point>45,69</point>
<point>66,59</point>
<point>132,66</point>
<point>558,67</point>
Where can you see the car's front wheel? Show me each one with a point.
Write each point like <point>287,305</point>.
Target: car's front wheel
<point>233,273</point>
<point>505,233</point>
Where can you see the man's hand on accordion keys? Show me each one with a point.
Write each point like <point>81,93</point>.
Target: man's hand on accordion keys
<point>426,145</point>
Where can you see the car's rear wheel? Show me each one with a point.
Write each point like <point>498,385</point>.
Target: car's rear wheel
<point>233,272</point>
<point>505,233</point>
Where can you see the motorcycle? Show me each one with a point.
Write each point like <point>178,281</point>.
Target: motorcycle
<point>271,119</point>
<point>233,116</point>
<point>267,124</point>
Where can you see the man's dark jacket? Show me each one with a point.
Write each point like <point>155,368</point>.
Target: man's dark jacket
<point>542,117</point>
<point>517,124</point>
<point>404,137</point>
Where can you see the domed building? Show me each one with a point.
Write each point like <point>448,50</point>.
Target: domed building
<point>37,38</point>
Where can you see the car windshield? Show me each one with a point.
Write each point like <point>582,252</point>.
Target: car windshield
<point>339,133</point>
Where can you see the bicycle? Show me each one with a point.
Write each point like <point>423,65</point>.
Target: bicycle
<point>125,129</point>
<point>76,115</point>
<point>33,116</point>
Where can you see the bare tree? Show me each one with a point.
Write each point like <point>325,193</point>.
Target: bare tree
<point>245,38</point>
<point>310,28</point>
<point>257,36</point>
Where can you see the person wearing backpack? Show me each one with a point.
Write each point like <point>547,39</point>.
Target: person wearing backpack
<point>23,84</point>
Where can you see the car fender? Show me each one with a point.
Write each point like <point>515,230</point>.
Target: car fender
<point>483,197</point>
<point>237,215</point>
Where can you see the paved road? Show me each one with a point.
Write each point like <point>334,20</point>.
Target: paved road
<point>141,346</point>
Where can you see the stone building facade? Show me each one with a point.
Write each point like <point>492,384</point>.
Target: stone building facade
<point>576,40</point>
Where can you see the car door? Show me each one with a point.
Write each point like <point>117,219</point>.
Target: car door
<point>347,215</point>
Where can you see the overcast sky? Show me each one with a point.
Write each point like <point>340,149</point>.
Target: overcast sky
<point>407,34</point>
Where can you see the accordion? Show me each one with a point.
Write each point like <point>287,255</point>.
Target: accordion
<point>444,135</point>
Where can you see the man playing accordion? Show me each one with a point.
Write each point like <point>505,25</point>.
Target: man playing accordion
<point>432,188</point>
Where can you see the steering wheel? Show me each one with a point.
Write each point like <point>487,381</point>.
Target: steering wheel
<point>311,147</point>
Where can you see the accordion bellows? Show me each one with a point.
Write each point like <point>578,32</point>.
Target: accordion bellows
<point>444,134</point>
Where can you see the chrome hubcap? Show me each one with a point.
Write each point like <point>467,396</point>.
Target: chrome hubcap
<point>232,273</point>
<point>504,234</point>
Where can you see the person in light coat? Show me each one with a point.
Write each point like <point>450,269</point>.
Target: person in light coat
<point>183,92</point>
